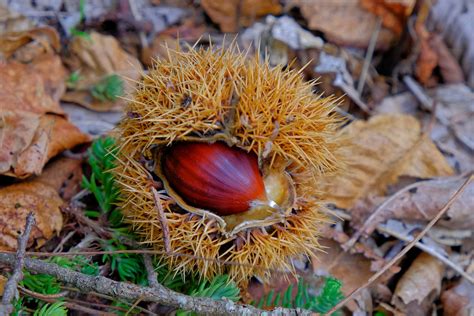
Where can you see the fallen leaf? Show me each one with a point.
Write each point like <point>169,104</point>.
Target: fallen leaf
<point>459,300</point>
<point>453,19</point>
<point>381,150</point>
<point>394,13</point>
<point>419,285</point>
<point>64,175</point>
<point>11,21</point>
<point>449,67</point>
<point>22,88</point>
<point>25,46</point>
<point>424,200</point>
<point>53,135</point>
<point>344,23</point>
<point>3,282</point>
<point>95,58</point>
<point>427,59</point>
<point>16,201</point>
<point>234,13</point>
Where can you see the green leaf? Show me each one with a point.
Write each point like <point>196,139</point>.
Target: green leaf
<point>54,309</point>
<point>108,89</point>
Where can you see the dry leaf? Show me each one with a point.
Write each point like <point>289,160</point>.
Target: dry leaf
<point>28,135</point>
<point>25,46</point>
<point>95,58</point>
<point>394,13</point>
<point>423,202</point>
<point>420,285</point>
<point>3,282</point>
<point>64,175</point>
<point>427,58</point>
<point>233,13</point>
<point>345,23</point>
<point>12,22</point>
<point>16,201</point>
<point>382,149</point>
<point>449,67</point>
<point>459,300</point>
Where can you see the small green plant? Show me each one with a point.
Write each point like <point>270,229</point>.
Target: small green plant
<point>73,78</point>
<point>76,32</point>
<point>218,288</point>
<point>328,298</point>
<point>108,89</point>
<point>52,309</point>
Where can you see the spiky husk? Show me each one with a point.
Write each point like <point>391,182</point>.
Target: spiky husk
<point>219,94</point>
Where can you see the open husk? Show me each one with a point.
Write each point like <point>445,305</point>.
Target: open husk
<point>220,94</point>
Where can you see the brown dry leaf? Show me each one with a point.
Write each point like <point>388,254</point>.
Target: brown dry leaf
<point>95,58</point>
<point>423,202</point>
<point>345,23</point>
<point>64,175</point>
<point>419,286</point>
<point>382,149</point>
<point>53,135</point>
<point>23,88</point>
<point>394,13</point>
<point>3,282</point>
<point>233,13</point>
<point>427,58</point>
<point>29,135</point>
<point>459,300</point>
<point>25,46</point>
<point>449,67</point>
<point>16,201</point>
<point>13,22</point>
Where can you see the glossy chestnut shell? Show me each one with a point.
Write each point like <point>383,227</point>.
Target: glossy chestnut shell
<point>215,177</point>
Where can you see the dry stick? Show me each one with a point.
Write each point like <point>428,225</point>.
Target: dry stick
<point>404,250</point>
<point>11,287</point>
<point>428,250</point>
<point>368,56</point>
<point>151,273</point>
<point>163,220</point>
<point>128,291</point>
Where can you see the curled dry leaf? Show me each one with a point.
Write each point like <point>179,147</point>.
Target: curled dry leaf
<point>94,58</point>
<point>25,46</point>
<point>32,129</point>
<point>419,286</point>
<point>394,13</point>
<point>17,200</point>
<point>381,150</point>
<point>234,13</point>
<point>345,23</point>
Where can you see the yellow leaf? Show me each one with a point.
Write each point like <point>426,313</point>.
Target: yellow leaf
<point>381,150</point>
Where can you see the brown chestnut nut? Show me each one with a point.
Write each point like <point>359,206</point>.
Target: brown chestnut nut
<point>224,180</point>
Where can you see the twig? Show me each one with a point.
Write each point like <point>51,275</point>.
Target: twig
<point>163,220</point>
<point>151,273</point>
<point>44,297</point>
<point>128,291</point>
<point>11,287</point>
<point>418,92</point>
<point>144,251</point>
<point>428,250</point>
<point>404,250</point>
<point>368,56</point>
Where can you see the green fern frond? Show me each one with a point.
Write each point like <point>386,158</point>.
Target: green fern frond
<point>329,296</point>
<point>54,309</point>
<point>108,89</point>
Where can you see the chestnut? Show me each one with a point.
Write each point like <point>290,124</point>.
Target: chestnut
<point>215,177</point>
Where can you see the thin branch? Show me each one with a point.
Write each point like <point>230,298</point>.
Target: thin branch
<point>404,250</point>
<point>11,287</point>
<point>163,220</point>
<point>151,273</point>
<point>128,291</point>
<point>368,56</point>
<point>428,250</point>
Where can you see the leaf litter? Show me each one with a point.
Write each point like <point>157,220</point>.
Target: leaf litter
<point>408,149</point>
